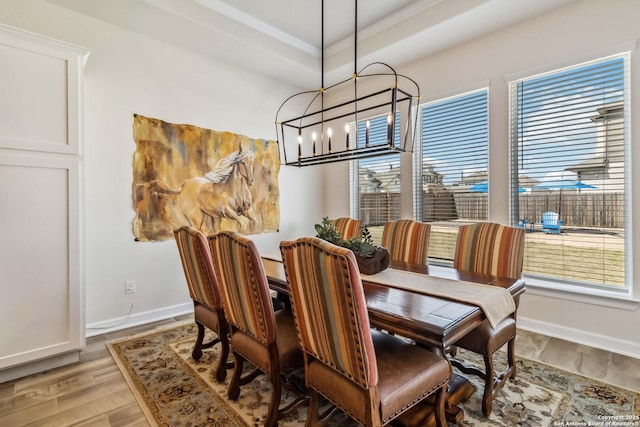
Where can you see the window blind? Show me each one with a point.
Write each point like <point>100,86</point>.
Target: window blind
<point>569,158</point>
<point>375,192</point>
<point>452,168</point>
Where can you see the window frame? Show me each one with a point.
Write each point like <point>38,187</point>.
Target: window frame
<point>418,159</point>
<point>608,296</point>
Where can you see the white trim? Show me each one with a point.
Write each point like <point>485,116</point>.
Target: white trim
<point>37,366</point>
<point>461,91</point>
<point>604,342</point>
<point>573,61</point>
<point>258,25</point>
<point>24,38</point>
<point>124,322</point>
<point>594,296</point>
<point>386,23</point>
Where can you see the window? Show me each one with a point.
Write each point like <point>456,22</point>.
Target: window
<point>450,178</point>
<point>569,159</point>
<point>375,191</point>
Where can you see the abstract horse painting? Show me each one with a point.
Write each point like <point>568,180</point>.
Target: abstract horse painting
<point>184,175</point>
<point>221,193</point>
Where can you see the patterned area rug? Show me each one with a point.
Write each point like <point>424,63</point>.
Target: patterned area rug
<point>174,390</point>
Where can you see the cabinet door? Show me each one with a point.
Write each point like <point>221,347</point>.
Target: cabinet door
<point>41,298</point>
<point>39,258</point>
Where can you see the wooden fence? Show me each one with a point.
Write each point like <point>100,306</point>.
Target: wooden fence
<point>378,208</point>
<point>589,209</point>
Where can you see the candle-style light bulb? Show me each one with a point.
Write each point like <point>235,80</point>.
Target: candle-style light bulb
<point>390,130</point>
<point>313,138</point>
<point>346,132</point>
<point>299,145</point>
<point>329,133</point>
<point>366,139</point>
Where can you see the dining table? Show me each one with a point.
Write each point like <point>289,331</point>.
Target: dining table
<point>432,317</point>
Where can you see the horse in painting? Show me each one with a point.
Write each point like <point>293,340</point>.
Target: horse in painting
<point>222,193</point>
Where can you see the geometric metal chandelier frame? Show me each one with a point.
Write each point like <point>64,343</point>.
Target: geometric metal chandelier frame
<point>309,124</point>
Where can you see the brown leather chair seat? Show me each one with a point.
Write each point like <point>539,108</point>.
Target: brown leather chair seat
<point>486,339</point>
<point>402,380</point>
<point>371,376</point>
<point>289,353</point>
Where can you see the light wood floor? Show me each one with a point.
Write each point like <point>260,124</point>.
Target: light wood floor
<point>94,393</point>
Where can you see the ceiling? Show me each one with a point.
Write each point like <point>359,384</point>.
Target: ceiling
<point>282,38</point>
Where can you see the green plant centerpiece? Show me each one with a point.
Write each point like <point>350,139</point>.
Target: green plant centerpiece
<point>371,258</point>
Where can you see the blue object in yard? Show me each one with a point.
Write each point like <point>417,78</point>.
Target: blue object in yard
<point>566,185</point>
<point>526,225</point>
<point>551,223</point>
<point>483,187</point>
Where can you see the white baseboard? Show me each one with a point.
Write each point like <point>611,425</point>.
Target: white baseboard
<point>92,329</point>
<point>34,367</point>
<point>137,319</point>
<point>603,342</point>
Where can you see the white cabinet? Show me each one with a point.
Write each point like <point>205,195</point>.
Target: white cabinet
<point>41,265</point>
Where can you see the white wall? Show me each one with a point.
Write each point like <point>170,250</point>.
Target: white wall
<point>127,73</point>
<point>566,35</point>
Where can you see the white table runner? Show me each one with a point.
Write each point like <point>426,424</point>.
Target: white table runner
<point>496,302</point>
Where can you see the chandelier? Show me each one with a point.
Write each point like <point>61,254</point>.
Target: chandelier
<point>366,115</point>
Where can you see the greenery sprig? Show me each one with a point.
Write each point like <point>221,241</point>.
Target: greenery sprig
<point>362,246</point>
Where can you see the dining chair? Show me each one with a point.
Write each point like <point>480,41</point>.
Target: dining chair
<point>204,290</point>
<point>371,376</point>
<point>347,227</point>
<point>407,240</point>
<point>497,250</point>
<point>260,335</point>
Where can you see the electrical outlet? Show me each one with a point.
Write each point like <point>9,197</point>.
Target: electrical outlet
<point>130,287</point>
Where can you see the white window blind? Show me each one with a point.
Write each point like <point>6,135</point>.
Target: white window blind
<point>375,194</point>
<point>569,158</point>
<point>451,171</point>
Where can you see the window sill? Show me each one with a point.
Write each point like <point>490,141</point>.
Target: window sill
<point>601,297</point>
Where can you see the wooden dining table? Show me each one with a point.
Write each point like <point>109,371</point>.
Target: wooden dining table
<point>432,321</point>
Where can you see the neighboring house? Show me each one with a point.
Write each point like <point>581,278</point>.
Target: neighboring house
<point>605,170</point>
<point>368,182</point>
<point>374,180</point>
<point>431,180</point>
<point>471,179</point>
<point>390,178</point>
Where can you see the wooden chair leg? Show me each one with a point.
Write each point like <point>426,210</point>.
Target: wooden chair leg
<point>493,384</point>
<point>511,357</point>
<point>197,347</point>
<point>314,409</point>
<point>487,397</point>
<point>274,405</point>
<point>440,400</point>
<point>234,385</point>
<point>221,371</point>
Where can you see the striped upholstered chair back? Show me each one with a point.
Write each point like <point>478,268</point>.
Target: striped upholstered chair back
<point>243,282</point>
<point>204,290</point>
<point>490,248</point>
<point>347,227</point>
<point>198,267</point>
<point>407,240</point>
<point>328,301</point>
